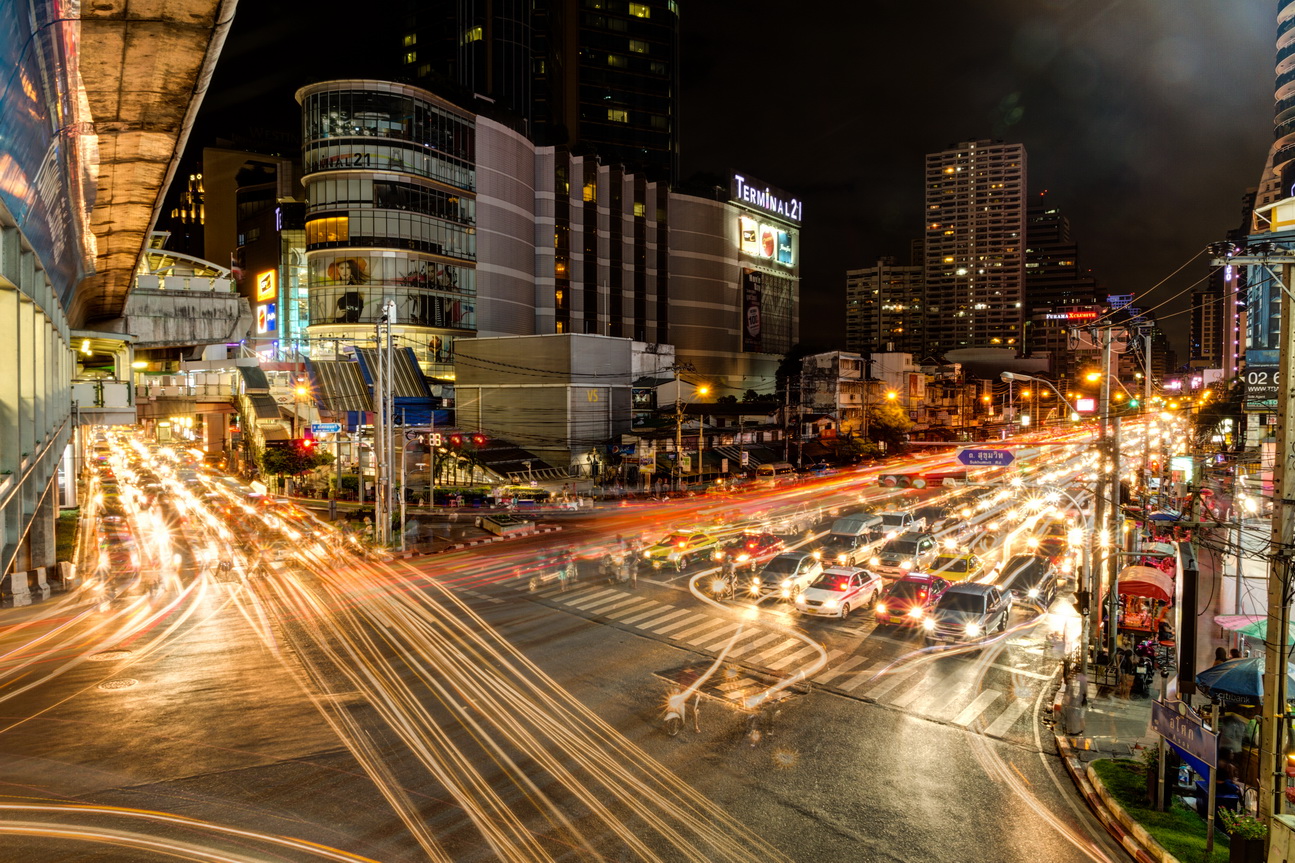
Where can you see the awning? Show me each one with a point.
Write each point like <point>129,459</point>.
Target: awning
<point>1251,625</point>
<point>1145,581</point>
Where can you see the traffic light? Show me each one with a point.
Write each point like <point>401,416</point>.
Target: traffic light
<point>305,445</point>
<point>456,441</point>
<point>1133,403</point>
<point>478,440</point>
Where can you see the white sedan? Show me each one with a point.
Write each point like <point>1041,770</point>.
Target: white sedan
<point>838,591</point>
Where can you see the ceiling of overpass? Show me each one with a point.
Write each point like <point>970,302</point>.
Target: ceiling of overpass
<point>145,65</point>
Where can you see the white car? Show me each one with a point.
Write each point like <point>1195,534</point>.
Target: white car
<point>840,590</point>
<point>787,575</point>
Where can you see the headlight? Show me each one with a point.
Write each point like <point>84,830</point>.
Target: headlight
<point>1033,593</point>
<point>840,558</point>
<point>973,630</point>
<point>915,611</point>
<point>800,599</point>
<point>830,603</point>
<point>786,593</point>
<point>929,624</point>
<point>786,584</point>
<point>875,561</point>
<point>818,554</point>
<point>719,555</point>
<point>907,564</point>
<point>648,555</point>
<point>881,608</point>
<point>743,558</point>
<point>755,579</point>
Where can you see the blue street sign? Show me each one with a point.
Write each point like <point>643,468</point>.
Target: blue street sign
<point>325,428</point>
<point>1184,732</point>
<point>986,457</point>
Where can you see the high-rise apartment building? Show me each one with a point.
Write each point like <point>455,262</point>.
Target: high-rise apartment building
<point>884,308</point>
<point>596,76</point>
<point>975,246</point>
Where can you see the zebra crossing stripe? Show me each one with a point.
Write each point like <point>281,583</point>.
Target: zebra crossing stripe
<point>891,680</point>
<point>691,620</point>
<point>715,623</point>
<point>592,599</point>
<point>831,672</point>
<point>607,607</point>
<point>573,593</point>
<point>727,629</point>
<point>914,693</point>
<point>862,677</point>
<point>977,707</point>
<point>1008,717</point>
<point>798,655</point>
<point>738,651</point>
<point>646,614</point>
<point>764,655</point>
<point>716,645</point>
<point>641,605</point>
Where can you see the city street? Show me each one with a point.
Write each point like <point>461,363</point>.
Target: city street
<point>447,707</point>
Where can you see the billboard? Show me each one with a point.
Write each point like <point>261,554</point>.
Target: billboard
<point>266,318</point>
<point>752,298</point>
<point>767,242</point>
<point>267,285</point>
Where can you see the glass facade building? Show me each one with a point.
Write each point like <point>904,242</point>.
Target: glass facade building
<point>390,179</point>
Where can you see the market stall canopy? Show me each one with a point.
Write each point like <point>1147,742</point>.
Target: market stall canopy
<point>1145,581</point>
<point>1157,548</point>
<point>1239,680</point>
<point>1251,625</point>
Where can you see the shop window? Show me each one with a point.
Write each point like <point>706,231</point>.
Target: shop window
<point>640,10</point>
<point>617,115</point>
<point>638,47</point>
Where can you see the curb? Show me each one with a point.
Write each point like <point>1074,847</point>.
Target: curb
<point>1128,833</point>
<point>548,528</point>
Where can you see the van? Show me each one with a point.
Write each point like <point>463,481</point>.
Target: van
<point>774,470</point>
<point>848,540</point>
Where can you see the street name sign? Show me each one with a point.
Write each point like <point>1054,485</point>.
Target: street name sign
<point>986,457</point>
<point>326,428</point>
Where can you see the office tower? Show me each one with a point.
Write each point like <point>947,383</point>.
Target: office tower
<point>884,308</point>
<point>975,261</point>
<point>1053,276</point>
<point>1279,172</point>
<point>1218,317</point>
<point>594,76</point>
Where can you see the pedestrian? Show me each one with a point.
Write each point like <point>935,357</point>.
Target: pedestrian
<point>1126,671</point>
<point>1220,655</point>
<point>1236,653</point>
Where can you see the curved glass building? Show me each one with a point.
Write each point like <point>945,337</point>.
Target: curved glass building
<point>390,179</point>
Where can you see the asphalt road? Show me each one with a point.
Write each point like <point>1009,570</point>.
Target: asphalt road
<point>329,706</point>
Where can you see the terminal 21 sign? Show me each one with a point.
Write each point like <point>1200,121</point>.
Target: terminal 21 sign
<point>762,196</point>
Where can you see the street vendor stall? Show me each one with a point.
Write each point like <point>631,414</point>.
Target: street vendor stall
<point>1145,594</point>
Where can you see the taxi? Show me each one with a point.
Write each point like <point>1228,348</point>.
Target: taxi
<point>957,566</point>
<point>679,550</point>
<point>909,600</point>
<point>838,591</point>
<point>750,550</point>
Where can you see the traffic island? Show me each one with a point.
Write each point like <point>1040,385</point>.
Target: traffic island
<point>1177,834</point>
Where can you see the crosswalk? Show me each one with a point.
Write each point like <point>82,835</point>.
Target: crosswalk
<point>943,691</point>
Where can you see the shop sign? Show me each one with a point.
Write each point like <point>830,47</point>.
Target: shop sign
<point>762,196</point>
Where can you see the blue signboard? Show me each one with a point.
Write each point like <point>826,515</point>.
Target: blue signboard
<point>325,428</point>
<point>1189,738</point>
<point>986,457</point>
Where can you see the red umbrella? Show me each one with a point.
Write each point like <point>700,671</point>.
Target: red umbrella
<point>1145,581</point>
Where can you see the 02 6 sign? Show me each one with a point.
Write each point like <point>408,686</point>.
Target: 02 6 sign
<point>1262,383</point>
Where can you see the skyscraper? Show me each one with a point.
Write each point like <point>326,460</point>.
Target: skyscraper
<point>975,258</point>
<point>1279,172</point>
<point>884,308</point>
<point>595,76</point>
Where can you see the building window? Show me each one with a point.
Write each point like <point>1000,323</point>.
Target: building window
<point>411,39</point>
<point>424,70</point>
<point>474,34</point>
<point>411,57</point>
<point>660,122</point>
<point>334,230</point>
<point>617,60</point>
<point>618,115</point>
<point>638,47</point>
<point>640,208</point>
<point>590,193</point>
<point>657,67</point>
<point>640,10</point>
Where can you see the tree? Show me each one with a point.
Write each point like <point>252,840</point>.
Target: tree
<point>889,422</point>
<point>753,396</point>
<point>726,400</point>
<point>292,460</point>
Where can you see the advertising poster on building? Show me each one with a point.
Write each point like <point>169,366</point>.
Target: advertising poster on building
<point>752,295</point>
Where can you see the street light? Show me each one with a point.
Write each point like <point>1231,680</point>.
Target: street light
<point>702,390</point>
<point>1017,376</point>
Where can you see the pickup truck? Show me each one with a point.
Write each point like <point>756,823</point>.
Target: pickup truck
<point>898,522</point>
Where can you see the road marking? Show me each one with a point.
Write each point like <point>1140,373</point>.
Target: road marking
<point>617,598</point>
<point>1021,671</point>
<point>716,644</point>
<point>645,615</point>
<point>715,623</point>
<point>605,607</point>
<point>659,620</point>
<point>915,693</point>
<point>641,605</point>
<point>892,680</point>
<point>788,660</point>
<point>691,620</point>
<point>591,599</point>
<point>977,707</point>
<point>764,655</point>
<point>836,671</point>
<point>862,677</point>
<point>764,639</point>
<point>727,631</point>
<point>1008,717</point>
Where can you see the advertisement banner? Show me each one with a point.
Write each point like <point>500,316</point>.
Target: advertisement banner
<point>752,296</point>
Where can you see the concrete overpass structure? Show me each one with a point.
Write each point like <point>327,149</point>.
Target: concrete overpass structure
<point>93,122</point>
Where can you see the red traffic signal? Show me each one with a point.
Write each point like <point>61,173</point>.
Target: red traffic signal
<point>306,444</point>
<point>478,440</point>
<point>456,440</point>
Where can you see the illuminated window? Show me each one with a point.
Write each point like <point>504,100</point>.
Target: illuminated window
<point>673,6</point>
<point>411,57</point>
<point>590,192</point>
<point>638,47</point>
<point>335,230</point>
<point>411,39</point>
<point>473,35</point>
<point>618,115</point>
<point>617,60</point>
<point>640,10</point>
<point>640,209</point>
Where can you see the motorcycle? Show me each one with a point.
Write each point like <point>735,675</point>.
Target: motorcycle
<point>565,573</point>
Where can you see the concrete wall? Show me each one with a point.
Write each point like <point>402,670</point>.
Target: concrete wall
<point>183,318</point>
<point>506,251</point>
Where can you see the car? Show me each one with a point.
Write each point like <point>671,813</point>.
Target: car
<point>1030,578</point>
<point>912,551</point>
<point>968,613</point>
<point>898,522</point>
<point>838,591</point>
<point>679,550</point>
<point>789,522</point>
<point>907,601</point>
<point>957,566</point>
<point>787,574</point>
<point>751,550</point>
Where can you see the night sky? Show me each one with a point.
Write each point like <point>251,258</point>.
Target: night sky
<point>1145,120</point>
